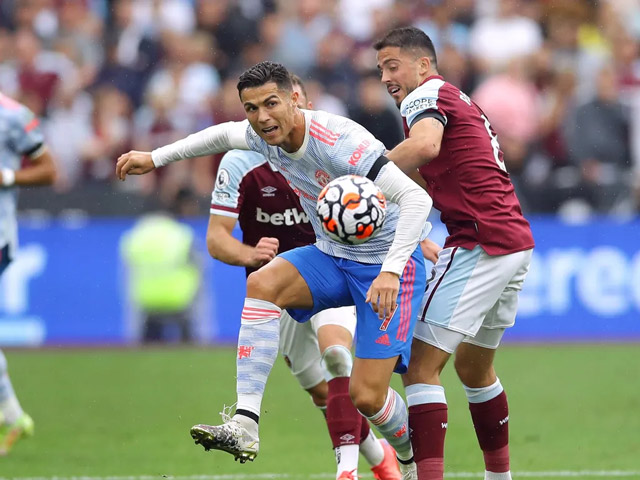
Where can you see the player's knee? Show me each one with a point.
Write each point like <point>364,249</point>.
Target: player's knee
<point>337,362</point>
<point>472,373</point>
<point>463,369</point>
<point>367,401</point>
<point>258,286</point>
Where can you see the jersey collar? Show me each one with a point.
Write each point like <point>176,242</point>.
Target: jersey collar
<point>439,77</point>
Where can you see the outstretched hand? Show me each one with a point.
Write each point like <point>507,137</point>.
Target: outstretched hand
<point>383,294</point>
<point>134,163</point>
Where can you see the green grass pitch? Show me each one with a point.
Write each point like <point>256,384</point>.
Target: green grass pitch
<point>100,413</point>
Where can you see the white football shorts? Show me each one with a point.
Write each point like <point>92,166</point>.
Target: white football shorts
<point>299,342</point>
<point>471,297</point>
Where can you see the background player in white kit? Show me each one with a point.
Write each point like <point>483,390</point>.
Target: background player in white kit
<point>250,190</point>
<point>20,136</point>
<point>472,295</point>
<point>311,148</point>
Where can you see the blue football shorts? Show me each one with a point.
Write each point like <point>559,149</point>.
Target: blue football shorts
<point>338,282</point>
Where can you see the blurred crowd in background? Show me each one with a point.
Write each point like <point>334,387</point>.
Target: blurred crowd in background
<point>559,80</point>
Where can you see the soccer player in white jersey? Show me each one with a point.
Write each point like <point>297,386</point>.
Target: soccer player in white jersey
<point>250,191</point>
<point>472,297</point>
<point>384,277</point>
<point>20,136</point>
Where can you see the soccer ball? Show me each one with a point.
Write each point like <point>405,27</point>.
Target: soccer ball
<point>351,209</point>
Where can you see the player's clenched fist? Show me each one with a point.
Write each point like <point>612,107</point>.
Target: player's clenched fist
<point>264,251</point>
<point>134,163</point>
<point>430,250</point>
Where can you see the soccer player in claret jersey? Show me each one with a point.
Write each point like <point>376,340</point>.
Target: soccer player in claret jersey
<point>472,294</point>
<point>20,137</point>
<point>311,148</point>
<point>251,191</point>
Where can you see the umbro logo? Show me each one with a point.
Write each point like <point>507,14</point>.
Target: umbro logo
<point>347,438</point>
<point>268,191</point>
<point>383,340</point>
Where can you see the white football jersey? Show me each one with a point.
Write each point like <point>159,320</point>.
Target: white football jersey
<point>333,146</point>
<point>20,135</point>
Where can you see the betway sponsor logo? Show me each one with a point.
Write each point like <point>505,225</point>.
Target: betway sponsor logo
<point>357,155</point>
<point>291,216</point>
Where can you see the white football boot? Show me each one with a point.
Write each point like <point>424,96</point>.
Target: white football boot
<point>408,471</point>
<point>231,437</point>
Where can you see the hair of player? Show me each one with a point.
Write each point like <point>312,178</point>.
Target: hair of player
<point>409,38</point>
<point>265,72</point>
<point>296,80</point>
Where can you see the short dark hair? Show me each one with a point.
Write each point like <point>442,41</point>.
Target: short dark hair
<point>410,38</point>
<point>265,72</point>
<point>296,80</point>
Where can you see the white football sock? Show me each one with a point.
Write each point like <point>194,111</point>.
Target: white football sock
<point>371,449</point>
<point>347,458</point>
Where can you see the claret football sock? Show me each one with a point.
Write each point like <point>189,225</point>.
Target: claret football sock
<point>428,423</point>
<point>490,414</point>
<point>344,423</point>
<point>343,419</point>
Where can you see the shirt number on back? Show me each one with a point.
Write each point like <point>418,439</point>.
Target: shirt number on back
<point>494,144</point>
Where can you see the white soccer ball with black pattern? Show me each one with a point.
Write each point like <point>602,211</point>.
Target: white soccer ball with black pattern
<point>351,209</point>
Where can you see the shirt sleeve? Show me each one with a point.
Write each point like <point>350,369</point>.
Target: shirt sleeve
<point>415,205</point>
<point>424,102</point>
<point>216,139</point>
<point>228,193</point>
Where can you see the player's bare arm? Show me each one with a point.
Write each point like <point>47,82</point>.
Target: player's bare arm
<point>416,177</point>
<point>41,171</point>
<point>422,146</point>
<point>224,247</point>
